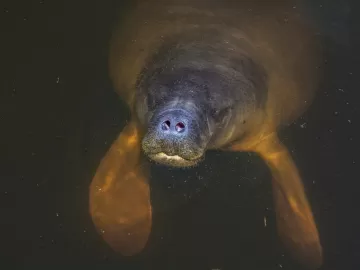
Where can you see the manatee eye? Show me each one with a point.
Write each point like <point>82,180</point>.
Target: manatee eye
<point>218,113</point>
<point>215,112</point>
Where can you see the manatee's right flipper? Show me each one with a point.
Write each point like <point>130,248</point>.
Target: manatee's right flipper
<point>120,195</point>
<point>295,221</point>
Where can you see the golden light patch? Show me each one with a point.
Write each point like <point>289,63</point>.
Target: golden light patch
<point>295,207</point>
<point>108,181</point>
<point>132,139</point>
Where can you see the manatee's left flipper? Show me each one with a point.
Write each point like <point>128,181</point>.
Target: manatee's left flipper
<point>295,221</point>
<point>120,195</point>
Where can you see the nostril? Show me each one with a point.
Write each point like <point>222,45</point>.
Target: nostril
<point>180,127</point>
<point>165,125</point>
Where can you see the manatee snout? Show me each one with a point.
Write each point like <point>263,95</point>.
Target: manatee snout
<point>175,138</point>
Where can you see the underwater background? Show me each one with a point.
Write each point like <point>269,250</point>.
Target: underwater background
<point>59,115</point>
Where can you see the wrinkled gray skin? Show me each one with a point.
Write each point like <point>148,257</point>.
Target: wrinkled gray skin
<point>201,87</point>
<point>200,72</point>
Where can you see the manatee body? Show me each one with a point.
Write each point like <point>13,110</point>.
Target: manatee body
<point>200,75</point>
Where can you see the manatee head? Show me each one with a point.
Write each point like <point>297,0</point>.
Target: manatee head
<point>183,112</point>
<point>190,97</point>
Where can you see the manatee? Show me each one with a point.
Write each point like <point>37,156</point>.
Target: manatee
<point>207,75</point>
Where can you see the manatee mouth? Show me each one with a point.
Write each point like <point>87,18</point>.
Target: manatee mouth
<point>174,160</point>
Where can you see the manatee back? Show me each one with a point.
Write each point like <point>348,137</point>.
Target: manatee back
<point>271,32</point>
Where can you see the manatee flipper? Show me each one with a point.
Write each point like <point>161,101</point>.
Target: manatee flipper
<point>295,221</point>
<point>120,195</point>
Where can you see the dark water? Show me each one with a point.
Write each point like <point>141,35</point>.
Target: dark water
<point>59,115</point>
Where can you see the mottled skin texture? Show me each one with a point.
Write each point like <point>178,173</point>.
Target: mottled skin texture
<point>191,82</point>
<point>200,75</point>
